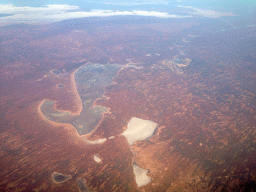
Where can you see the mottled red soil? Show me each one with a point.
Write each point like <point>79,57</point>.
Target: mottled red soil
<point>206,117</point>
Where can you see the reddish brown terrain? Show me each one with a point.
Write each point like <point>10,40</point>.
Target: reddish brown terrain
<point>205,110</point>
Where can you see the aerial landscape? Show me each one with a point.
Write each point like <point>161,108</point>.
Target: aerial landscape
<point>120,96</point>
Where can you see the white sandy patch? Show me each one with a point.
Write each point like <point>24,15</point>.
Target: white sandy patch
<point>136,2</point>
<point>112,137</point>
<point>139,129</point>
<point>97,159</point>
<point>99,141</point>
<point>141,177</point>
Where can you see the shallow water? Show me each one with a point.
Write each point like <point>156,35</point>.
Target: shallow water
<point>91,81</point>
<point>60,178</point>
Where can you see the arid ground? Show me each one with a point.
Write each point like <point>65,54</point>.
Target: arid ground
<point>196,82</point>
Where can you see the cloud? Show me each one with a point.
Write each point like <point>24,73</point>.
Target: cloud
<point>10,9</point>
<point>206,13</point>
<point>55,13</point>
<point>136,3</point>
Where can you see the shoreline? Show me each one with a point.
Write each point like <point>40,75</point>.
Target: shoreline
<point>74,89</point>
<point>44,118</point>
<point>78,100</point>
<point>66,126</point>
